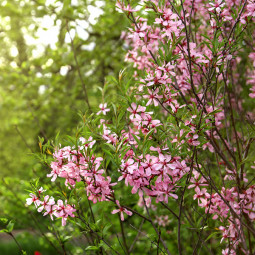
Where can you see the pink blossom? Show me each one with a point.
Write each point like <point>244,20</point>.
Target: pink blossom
<point>126,8</point>
<point>121,210</point>
<point>48,202</point>
<point>251,9</point>
<point>103,109</point>
<point>153,97</point>
<point>217,6</point>
<point>135,111</point>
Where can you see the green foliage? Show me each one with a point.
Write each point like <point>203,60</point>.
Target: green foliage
<point>41,93</point>
<point>41,90</point>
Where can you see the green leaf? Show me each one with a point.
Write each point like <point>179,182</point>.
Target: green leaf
<point>91,248</point>
<point>110,146</point>
<point>106,228</point>
<point>10,226</point>
<point>3,221</point>
<point>211,235</point>
<point>66,238</point>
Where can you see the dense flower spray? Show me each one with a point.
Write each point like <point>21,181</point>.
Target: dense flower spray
<point>180,62</point>
<point>183,126</point>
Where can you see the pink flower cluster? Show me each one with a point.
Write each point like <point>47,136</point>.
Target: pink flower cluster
<point>75,165</point>
<point>227,206</point>
<point>163,220</point>
<point>48,206</point>
<point>171,81</point>
<point>154,176</point>
<point>164,81</point>
<point>252,74</point>
<point>141,122</point>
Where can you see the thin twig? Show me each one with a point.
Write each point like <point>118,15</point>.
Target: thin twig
<point>78,69</point>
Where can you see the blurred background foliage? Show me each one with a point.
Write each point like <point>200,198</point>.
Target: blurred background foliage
<point>49,50</point>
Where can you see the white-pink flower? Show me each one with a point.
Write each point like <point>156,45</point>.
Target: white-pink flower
<point>103,109</point>
<point>33,199</point>
<point>217,6</point>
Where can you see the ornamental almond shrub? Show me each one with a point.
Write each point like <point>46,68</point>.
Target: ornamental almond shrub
<point>169,154</point>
